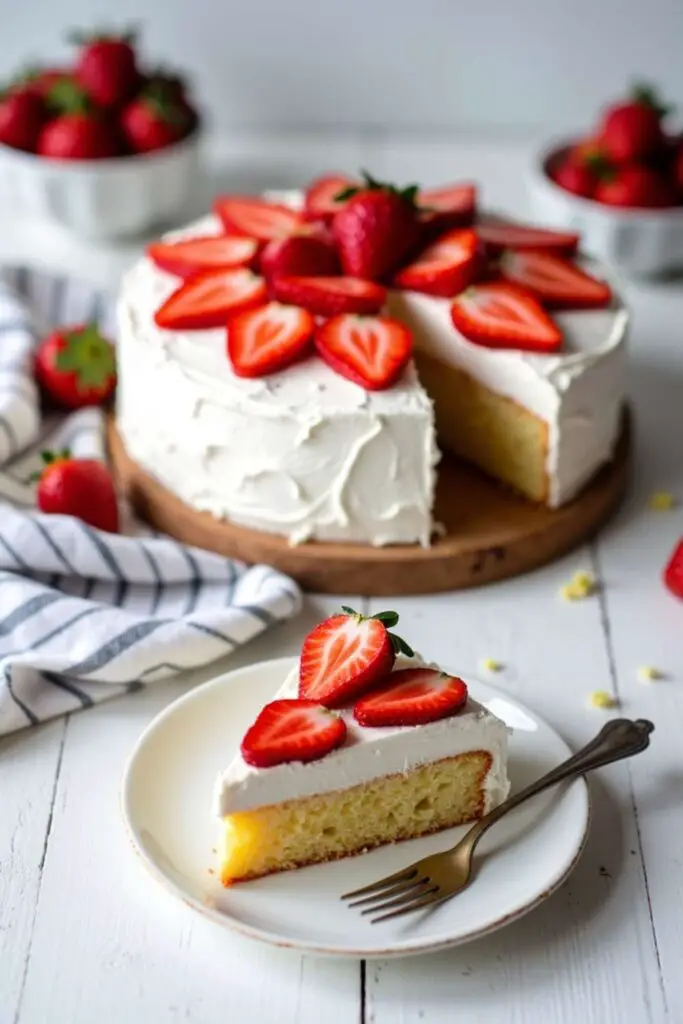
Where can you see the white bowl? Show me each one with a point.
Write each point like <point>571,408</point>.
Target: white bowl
<point>103,199</point>
<point>640,243</point>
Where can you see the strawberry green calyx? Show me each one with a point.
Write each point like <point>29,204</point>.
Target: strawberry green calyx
<point>163,104</point>
<point>646,95</point>
<point>67,97</point>
<point>105,35</point>
<point>388,620</point>
<point>89,356</point>
<point>370,184</point>
<point>49,459</point>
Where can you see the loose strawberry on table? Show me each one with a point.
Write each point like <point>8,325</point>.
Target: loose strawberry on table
<point>268,338</point>
<point>346,655</point>
<point>256,218</point>
<point>78,487</point>
<point>329,296</point>
<point>292,730</point>
<point>445,267</point>
<point>190,256</point>
<point>321,199</point>
<point>556,282</point>
<point>207,299</point>
<point>412,696</point>
<point>498,314</point>
<point>306,253</point>
<point>76,366</point>
<point>673,573</point>
<point>376,228</point>
<point>370,351</point>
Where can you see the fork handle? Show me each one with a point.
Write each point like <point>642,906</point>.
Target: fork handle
<point>618,739</point>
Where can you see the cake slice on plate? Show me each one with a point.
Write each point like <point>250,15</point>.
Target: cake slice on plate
<point>364,744</point>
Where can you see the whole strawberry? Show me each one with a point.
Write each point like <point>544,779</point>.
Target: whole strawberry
<point>376,228</point>
<point>78,487</point>
<point>636,186</point>
<point>154,120</point>
<point>22,114</point>
<point>76,366</point>
<point>106,67</point>
<point>78,132</point>
<point>632,131</point>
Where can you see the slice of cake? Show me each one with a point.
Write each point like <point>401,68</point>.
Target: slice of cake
<point>361,746</point>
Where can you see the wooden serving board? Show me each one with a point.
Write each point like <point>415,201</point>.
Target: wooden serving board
<point>489,533</point>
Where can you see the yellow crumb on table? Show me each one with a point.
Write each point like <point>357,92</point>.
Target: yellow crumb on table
<point>602,699</point>
<point>648,674</point>
<point>662,501</point>
<point>581,585</point>
<point>491,665</point>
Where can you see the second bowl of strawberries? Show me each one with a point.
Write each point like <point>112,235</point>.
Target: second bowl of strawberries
<point>621,185</point>
<point>107,145</point>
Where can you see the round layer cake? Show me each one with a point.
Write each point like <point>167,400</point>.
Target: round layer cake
<point>311,455</point>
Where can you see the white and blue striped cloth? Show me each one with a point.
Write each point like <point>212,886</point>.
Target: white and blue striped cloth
<point>87,615</point>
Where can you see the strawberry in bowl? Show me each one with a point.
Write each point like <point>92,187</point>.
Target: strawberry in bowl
<point>621,186</point>
<point>106,147</point>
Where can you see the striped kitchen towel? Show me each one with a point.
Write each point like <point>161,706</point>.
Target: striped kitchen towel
<point>86,615</point>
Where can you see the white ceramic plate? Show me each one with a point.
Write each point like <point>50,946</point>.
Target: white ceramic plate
<point>167,806</point>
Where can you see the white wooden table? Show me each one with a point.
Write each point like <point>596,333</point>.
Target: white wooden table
<point>86,937</point>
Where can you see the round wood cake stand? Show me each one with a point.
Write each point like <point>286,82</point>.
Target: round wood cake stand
<point>490,534</point>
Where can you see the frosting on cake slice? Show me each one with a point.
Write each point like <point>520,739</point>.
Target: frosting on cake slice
<point>382,785</point>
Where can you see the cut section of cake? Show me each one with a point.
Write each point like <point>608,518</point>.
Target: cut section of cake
<point>355,751</point>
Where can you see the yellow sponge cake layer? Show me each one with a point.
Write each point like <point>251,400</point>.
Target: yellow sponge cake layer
<point>343,822</point>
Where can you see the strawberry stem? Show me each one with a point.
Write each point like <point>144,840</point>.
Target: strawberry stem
<point>388,620</point>
<point>370,184</point>
<point>646,95</point>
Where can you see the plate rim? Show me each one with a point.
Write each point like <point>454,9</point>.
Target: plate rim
<point>314,948</point>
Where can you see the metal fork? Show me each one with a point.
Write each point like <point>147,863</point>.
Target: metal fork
<point>437,878</point>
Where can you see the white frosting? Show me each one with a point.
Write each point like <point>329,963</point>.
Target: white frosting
<point>306,453</point>
<point>579,392</point>
<point>368,754</point>
<point>298,453</point>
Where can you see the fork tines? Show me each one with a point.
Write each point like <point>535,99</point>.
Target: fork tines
<point>400,893</point>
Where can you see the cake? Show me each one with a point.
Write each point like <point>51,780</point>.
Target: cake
<point>299,451</point>
<point>379,785</point>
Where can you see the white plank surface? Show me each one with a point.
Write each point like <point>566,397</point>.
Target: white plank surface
<point>85,936</point>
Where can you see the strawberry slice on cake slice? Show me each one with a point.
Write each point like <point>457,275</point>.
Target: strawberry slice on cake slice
<point>446,267</point>
<point>498,235</point>
<point>190,256</point>
<point>269,338</point>
<point>322,197</point>
<point>363,744</point>
<point>371,351</point>
<point>329,296</point>
<point>449,206</point>
<point>555,282</point>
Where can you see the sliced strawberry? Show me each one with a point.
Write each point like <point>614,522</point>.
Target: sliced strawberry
<point>370,351</point>
<point>558,283</point>
<point>501,315</point>
<point>256,218</point>
<point>268,338</point>
<point>320,200</point>
<point>207,299</point>
<point>412,696</point>
<point>328,296</point>
<point>450,206</point>
<point>497,236</point>
<point>673,574</point>
<point>292,730</point>
<point>308,254</point>
<point>445,267</point>
<point>191,256</point>
<point>346,654</point>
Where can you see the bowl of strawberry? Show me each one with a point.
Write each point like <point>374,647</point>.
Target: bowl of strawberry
<point>621,186</point>
<point>107,147</point>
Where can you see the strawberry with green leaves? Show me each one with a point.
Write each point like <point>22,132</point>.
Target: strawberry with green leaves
<point>83,488</point>
<point>376,228</point>
<point>76,366</point>
<point>154,120</point>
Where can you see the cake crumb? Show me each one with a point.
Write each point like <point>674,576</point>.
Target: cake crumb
<point>662,501</point>
<point>649,674</point>
<point>602,699</point>
<point>491,665</point>
<point>581,585</point>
